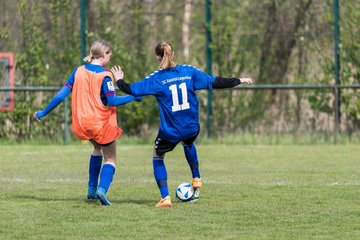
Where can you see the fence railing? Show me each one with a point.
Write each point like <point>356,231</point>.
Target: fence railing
<point>336,88</point>
<point>296,86</point>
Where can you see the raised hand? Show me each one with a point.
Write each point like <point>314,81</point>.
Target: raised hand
<point>118,73</point>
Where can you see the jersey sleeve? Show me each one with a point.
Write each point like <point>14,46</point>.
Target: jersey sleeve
<point>70,81</point>
<point>221,82</point>
<point>202,80</point>
<point>108,86</point>
<point>144,87</point>
<point>113,100</point>
<point>55,101</point>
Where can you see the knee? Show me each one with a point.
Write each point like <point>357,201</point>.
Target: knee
<point>97,150</point>
<point>158,154</point>
<point>188,147</point>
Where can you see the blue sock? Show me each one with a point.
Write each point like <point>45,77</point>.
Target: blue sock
<point>94,170</point>
<point>106,176</point>
<point>192,159</point>
<point>160,175</point>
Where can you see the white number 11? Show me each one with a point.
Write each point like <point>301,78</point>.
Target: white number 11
<point>175,97</point>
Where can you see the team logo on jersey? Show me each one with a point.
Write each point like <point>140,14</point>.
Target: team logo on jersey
<point>110,86</point>
<point>176,79</point>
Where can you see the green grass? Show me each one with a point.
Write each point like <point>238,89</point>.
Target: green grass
<point>249,192</point>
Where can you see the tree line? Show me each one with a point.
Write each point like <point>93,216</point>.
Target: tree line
<point>273,41</point>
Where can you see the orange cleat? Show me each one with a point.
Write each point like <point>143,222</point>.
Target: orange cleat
<point>164,202</point>
<point>196,183</point>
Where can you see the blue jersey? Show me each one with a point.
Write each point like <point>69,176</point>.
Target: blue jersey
<point>107,87</point>
<point>174,90</point>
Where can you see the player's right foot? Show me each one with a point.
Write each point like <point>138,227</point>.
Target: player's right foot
<point>101,195</point>
<point>196,183</point>
<point>164,202</point>
<point>91,193</point>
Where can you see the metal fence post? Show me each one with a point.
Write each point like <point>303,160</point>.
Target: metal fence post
<point>337,68</point>
<point>83,28</point>
<point>208,63</point>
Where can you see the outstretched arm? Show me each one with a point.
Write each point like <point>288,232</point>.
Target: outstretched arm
<point>119,76</point>
<point>143,87</point>
<point>205,81</point>
<point>221,82</point>
<point>112,98</point>
<point>115,100</point>
<point>57,99</point>
<point>123,86</point>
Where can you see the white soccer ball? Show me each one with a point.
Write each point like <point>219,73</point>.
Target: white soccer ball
<point>186,193</point>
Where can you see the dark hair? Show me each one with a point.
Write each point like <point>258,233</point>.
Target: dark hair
<point>166,52</point>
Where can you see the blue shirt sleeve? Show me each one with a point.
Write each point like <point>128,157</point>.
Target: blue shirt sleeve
<point>115,100</point>
<point>70,81</point>
<point>112,98</point>
<point>57,99</point>
<point>147,86</point>
<point>202,80</point>
<point>108,86</point>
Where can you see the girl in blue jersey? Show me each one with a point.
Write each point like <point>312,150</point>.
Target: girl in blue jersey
<point>94,98</point>
<point>174,87</point>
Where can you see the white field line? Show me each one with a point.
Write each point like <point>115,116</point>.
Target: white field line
<point>22,180</point>
<point>28,180</point>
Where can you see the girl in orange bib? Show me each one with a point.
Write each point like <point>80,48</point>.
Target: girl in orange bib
<point>94,102</point>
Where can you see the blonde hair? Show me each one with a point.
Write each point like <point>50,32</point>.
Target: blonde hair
<point>98,49</point>
<point>166,52</point>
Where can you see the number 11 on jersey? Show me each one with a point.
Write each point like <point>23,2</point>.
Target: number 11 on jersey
<point>175,97</point>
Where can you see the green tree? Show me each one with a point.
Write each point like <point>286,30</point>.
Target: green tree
<point>350,69</point>
<point>30,61</point>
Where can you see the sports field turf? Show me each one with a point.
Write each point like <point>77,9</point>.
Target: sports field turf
<point>249,192</point>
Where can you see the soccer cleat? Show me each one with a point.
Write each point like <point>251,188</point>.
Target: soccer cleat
<point>196,183</point>
<point>91,193</point>
<point>164,202</point>
<point>101,195</point>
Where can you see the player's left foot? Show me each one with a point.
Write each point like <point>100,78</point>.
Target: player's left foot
<point>101,195</point>
<point>91,193</point>
<point>196,183</point>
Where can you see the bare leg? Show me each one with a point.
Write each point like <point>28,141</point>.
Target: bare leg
<point>110,154</point>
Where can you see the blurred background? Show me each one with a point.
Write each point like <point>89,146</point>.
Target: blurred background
<point>278,43</point>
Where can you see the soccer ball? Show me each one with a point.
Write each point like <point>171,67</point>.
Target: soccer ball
<point>186,193</point>
<point>196,195</point>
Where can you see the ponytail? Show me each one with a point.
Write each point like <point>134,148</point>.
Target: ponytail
<point>97,50</point>
<point>165,51</point>
<point>88,58</point>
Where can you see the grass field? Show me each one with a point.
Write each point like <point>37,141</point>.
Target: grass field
<point>249,192</point>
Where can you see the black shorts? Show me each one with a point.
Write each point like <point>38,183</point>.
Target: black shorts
<point>106,144</point>
<point>163,146</point>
